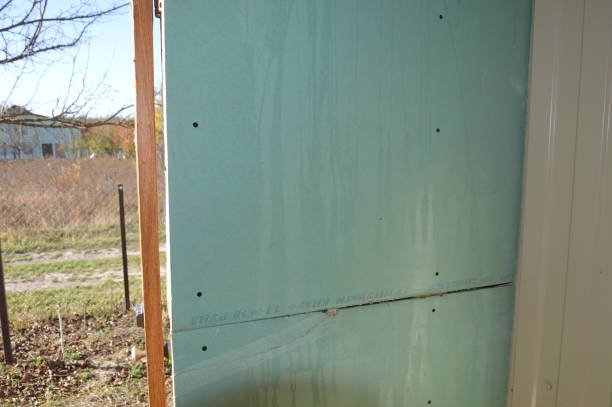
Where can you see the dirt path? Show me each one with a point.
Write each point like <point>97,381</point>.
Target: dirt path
<point>68,255</point>
<point>63,280</point>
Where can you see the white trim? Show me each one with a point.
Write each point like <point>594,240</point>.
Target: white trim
<point>563,320</point>
<point>546,217</point>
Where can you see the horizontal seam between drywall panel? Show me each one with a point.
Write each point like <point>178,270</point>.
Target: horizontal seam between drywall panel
<point>364,304</point>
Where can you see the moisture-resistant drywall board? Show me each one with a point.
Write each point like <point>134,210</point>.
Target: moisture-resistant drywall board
<point>327,153</point>
<point>399,353</point>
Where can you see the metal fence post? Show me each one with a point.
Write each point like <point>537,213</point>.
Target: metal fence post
<point>126,283</point>
<point>4,320</point>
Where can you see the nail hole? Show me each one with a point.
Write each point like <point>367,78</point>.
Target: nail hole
<point>204,348</point>
<point>428,401</point>
<point>437,274</point>
<point>440,16</point>
<point>199,293</point>
<point>195,124</point>
<point>437,130</point>
<point>433,310</point>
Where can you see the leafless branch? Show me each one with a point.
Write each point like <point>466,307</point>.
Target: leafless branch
<point>60,121</point>
<point>29,33</point>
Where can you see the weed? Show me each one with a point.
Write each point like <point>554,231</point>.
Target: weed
<point>138,371</point>
<point>86,375</point>
<point>72,356</point>
<point>38,361</point>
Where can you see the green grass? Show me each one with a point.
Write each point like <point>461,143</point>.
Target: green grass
<point>26,241</point>
<point>19,243</point>
<point>32,271</point>
<point>100,300</point>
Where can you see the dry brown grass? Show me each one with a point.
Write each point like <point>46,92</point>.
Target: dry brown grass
<point>58,194</point>
<point>57,205</point>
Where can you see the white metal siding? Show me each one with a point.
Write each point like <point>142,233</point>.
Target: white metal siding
<point>563,326</point>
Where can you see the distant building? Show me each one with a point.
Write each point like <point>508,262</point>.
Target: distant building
<point>33,142</point>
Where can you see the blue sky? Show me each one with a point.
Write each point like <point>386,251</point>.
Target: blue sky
<point>106,58</point>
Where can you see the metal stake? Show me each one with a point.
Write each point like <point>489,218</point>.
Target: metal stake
<point>4,319</point>
<point>126,283</point>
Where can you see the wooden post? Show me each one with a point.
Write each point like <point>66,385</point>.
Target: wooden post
<point>146,157</point>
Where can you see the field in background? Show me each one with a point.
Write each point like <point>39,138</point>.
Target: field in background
<point>64,194</point>
<point>59,229</point>
<point>66,204</point>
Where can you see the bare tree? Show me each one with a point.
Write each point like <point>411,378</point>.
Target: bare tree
<point>30,34</point>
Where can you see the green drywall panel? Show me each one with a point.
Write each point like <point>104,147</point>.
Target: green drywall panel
<point>328,153</point>
<point>397,353</point>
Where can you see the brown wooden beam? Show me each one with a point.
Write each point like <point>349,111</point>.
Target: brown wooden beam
<point>146,157</point>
